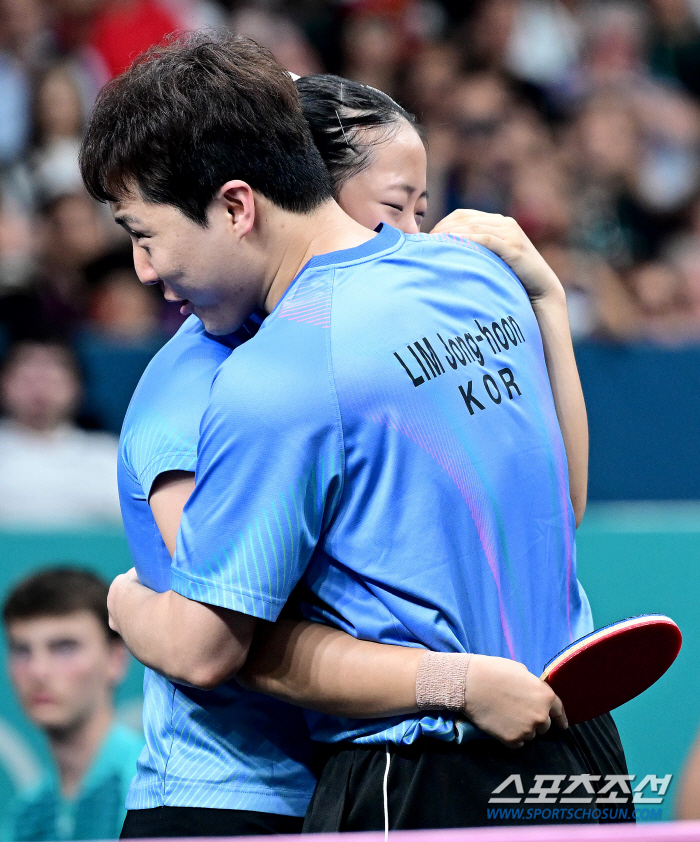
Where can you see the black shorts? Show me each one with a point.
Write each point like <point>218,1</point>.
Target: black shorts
<point>436,784</point>
<point>204,821</point>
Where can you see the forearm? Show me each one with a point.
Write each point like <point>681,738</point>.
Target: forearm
<point>327,670</point>
<point>553,320</point>
<point>135,613</point>
<point>323,669</point>
<point>188,642</point>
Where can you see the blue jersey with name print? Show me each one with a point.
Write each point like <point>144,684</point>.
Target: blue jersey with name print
<point>226,748</point>
<point>389,439</point>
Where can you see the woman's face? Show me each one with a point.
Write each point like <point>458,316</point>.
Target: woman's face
<point>392,188</point>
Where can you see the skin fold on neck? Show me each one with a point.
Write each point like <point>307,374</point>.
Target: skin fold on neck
<point>299,237</point>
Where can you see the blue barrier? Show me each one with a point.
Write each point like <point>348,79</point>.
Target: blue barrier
<point>643,404</point>
<point>643,408</point>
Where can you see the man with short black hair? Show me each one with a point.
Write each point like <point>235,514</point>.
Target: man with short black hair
<point>421,497</point>
<point>65,663</point>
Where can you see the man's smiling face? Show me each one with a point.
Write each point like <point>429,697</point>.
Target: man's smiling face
<point>202,267</point>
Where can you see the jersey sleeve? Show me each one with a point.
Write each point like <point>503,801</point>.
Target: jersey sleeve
<point>153,444</point>
<point>174,460</point>
<point>269,475</point>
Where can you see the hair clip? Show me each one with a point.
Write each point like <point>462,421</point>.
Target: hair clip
<point>342,129</point>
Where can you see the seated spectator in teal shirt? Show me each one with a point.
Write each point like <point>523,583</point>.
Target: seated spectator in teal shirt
<point>65,663</point>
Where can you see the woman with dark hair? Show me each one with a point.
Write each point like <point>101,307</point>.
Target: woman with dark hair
<point>372,148</point>
<point>337,110</point>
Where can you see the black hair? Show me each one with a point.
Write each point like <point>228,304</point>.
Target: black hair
<point>339,111</point>
<point>194,112</point>
<point>56,592</point>
<point>57,345</point>
<point>119,259</point>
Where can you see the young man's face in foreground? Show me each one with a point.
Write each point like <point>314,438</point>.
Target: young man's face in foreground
<point>63,668</point>
<point>204,268</point>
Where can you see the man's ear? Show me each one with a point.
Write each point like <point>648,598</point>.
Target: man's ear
<point>237,199</point>
<point>118,662</point>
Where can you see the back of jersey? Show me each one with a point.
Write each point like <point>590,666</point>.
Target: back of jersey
<point>455,529</point>
<point>390,439</point>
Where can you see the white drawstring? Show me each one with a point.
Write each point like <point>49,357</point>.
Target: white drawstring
<point>385,790</point>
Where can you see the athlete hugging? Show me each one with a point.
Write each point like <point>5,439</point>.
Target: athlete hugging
<point>361,564</point>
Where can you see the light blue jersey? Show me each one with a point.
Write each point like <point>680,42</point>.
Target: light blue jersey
<point>95,811</point>
<point>389,439</point>
<point>225,748</point>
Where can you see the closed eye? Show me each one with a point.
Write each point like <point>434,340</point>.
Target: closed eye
<point>395,207</point>
<point>135,235</point>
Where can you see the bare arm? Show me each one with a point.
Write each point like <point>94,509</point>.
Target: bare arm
<point>504,237</point>
<point>324,669</point>
<point>327,670</point>
<point>169,493</point>
<point>553,319</point>
<point>197,644</point>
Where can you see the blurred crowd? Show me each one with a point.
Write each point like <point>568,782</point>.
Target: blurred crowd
<point>580,118</point>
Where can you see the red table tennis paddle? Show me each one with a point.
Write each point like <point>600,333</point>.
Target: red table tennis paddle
<point>610,666</point>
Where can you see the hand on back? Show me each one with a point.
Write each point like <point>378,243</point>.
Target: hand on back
<point>503,236</point>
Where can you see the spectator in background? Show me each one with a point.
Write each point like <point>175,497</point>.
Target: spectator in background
<point>543,45</point>
<point>683,255</point>
<point>487,34</point>
<point>122,311</point>
<point>65,663</point>
<point>122,29</point>
<point>45,290</point>
<point>597,300</point>
<point>59,123</point>
<point>53,473</point>
<point>480,105</point>
<point>73,233</point>
<point>675,48</point>
<point>20,27</point>
<point>280,35</point>
<point>17,247</point>
<point>663,308</point>
<point>374,44</point>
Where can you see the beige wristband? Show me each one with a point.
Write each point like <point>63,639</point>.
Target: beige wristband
<point>441,682</point>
